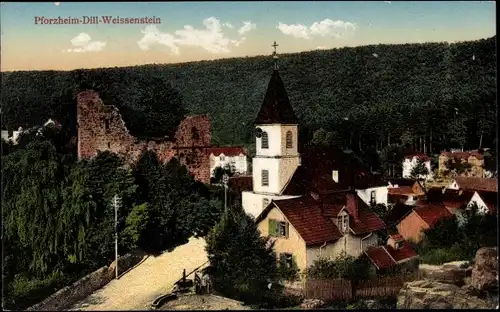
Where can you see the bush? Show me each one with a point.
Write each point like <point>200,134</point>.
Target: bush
<point>343,266</point>
<point>24,292</point>
<point>439,256</point>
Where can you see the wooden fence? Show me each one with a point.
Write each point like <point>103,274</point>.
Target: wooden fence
<point>343,289</point>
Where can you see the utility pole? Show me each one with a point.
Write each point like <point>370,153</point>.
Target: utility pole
<point>225,180</point>
<point>117,201</point>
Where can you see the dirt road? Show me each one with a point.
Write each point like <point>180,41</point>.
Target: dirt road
<point>137,289</point>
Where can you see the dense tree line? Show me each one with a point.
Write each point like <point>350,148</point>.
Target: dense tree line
<point>58,222</point>
<point>429,97</point>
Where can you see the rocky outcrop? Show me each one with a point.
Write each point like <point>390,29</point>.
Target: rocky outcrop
<point>449,273</point>
<point>312,304</point>
<point>485,272</point>
<point>428,294</point>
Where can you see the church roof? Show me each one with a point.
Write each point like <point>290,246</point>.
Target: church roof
<point>317,165</point>
<point>276,108</point>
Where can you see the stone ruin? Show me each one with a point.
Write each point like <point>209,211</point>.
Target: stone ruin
<point>101,128</point>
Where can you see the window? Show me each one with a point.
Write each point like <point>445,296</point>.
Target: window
<point>278,228</point>
<point>343,223</point>
<point>109,145</point>
<point>265,141</point>
<point>372,198</point>
<point>335,176</point>
<point>265,202</point>
<point>106,124</point>
<point>222,158</point>
<point>286,259</point>
<point>265,177</point>
<point>283,229</point>
<point>289,139</point>
<point>397,245</point>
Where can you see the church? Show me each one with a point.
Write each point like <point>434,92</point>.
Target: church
<point>281,172</point>
<point>312,201</point>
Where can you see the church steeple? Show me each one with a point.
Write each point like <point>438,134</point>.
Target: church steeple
<point>276,108</point>
<point>275,56</point>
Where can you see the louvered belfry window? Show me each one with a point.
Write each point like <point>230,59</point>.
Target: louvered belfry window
<point>265,140</point>
<point>265,177</point>
<point>289,139</point>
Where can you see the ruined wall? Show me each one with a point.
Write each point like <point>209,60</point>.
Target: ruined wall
<point>101,128</point>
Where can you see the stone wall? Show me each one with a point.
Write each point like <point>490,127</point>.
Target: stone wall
<point>64,298</point>
<point>101,128</point>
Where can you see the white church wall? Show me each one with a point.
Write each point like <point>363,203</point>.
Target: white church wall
<point>293,151</point>
<point>274,139</point>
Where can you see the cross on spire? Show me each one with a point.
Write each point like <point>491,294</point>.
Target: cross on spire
<point>275,56</point>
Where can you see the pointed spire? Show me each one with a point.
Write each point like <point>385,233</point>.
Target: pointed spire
<point>276,108</point>
<point>275,56</point>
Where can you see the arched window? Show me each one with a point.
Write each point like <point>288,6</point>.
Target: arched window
<point>265,140</point>
<point>289,139</point>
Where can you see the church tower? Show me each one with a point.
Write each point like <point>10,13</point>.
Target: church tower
<point>276,138</point>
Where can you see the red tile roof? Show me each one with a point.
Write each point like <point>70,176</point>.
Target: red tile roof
<point>380,257</point>
<point>396,236</point>
<point>401,181</point>
<point>227,150</point>
<point>431,212</point>
<point>386,256</point>
<point>367,221</point>
<point>477,184</point>
<point>462,155</point>
<point>418,155</point>
<point>306,216</point>
<point>400,190</point>
<point>309,176</point>
<point>241,183</point>
<point>312,218</point>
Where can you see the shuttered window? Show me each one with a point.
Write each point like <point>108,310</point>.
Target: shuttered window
<point>289,139</point>
<point>278,228</point>
<point>265,140</point>
<point>265,177</point>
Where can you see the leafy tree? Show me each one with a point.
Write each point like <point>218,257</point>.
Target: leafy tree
<point>235,240</point>
<point>324,138</point>
<point>380,210</point>
<point>456,167</point>
<point>419,171</point>
<point>219,172</point>
<point>288,272</point>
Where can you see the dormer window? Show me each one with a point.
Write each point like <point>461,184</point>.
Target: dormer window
<point>265,140</point>
<point>397,245</point>
<point>289,139</point>
<point>343,223</point>
<point>372,198</point>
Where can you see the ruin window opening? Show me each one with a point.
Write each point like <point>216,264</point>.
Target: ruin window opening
<point>109,144</point>
<point>195,134</point>
<point>106,124</point>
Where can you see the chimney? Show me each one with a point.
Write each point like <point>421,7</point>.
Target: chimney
<point>352,204</point>
<point>395,241</point>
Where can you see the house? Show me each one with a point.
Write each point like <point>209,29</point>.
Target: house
<point>410,161</point>
<point>320,225</point>
<point>422,217</point>
<point>486,202</point>
<point>11,136</point>
<point>233,156</point>
<point>474,184</point>
<point>397,212</point>
<point>405,191</point>
<point>281,172</point>
<point>474,158</point>
<point>396,252</point>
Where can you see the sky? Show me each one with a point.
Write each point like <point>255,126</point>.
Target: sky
<point>175,32</point>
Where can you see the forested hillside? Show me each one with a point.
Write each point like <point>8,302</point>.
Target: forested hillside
<point>428,96</point>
